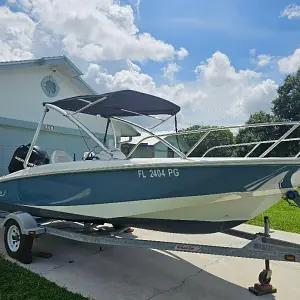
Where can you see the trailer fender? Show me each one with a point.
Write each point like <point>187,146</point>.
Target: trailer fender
<point>26,222</point>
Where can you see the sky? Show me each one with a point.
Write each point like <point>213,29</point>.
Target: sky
<point>220,60</point>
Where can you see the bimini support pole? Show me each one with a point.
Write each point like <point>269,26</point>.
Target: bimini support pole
<point>106,130</point>
<point>38,129</point>
<point>80,125</point>
<point>114,133</point>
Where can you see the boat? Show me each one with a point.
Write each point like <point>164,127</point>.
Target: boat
<point>184,194</point>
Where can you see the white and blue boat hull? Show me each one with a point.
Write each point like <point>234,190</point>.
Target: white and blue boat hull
<point>173,195</point>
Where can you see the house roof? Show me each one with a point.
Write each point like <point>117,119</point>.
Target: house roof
<point>61,62</point>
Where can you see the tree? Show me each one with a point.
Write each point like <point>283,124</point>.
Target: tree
<point>215,138</point>
<point>287,105</point>
<point>247,135</point>
<point>255,134</point>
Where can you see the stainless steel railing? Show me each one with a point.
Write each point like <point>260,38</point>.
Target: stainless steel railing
<point>257,144</point>
<point>207,131</point>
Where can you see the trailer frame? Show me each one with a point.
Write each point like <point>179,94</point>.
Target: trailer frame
<point>261,245</point>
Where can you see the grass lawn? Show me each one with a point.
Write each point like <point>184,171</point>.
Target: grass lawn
<point>282,217</point>
<point>18,283</point>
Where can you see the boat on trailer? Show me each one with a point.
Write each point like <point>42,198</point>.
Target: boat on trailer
<point>179,195</point>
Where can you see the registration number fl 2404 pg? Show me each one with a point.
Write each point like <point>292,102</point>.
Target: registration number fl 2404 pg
<point>158,173</point>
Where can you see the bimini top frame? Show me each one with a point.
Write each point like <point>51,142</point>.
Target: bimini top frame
<point>123,103</point>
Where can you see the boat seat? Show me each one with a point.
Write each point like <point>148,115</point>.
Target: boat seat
<point>59,156</point>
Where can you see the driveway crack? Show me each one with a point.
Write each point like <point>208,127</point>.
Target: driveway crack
<point>186,278</point>
<point>175,287</point>
<point>71,261</point>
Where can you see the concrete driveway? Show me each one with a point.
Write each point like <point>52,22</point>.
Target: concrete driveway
<point>119,273</point>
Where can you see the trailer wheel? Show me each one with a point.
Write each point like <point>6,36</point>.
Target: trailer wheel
<point>262,278</point>
<point>17,245</point>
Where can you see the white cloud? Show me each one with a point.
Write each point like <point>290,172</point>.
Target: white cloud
<point>252,52</point>
<point>182,53</point>
<point>137,7</point>
<point>240,92</point>
<point>218,71</point>
<point>16,32</point>
<point>260,60</point>
<point>219,95</point>
<point>291,11</point>
<point>290,64</point>
<point>263,60</point>
<point>125,79</point>
<point>97,30</point>
<point>170,70</point>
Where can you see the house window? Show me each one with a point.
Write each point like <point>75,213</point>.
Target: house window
<point>50,86</point>
<point>170,153</point>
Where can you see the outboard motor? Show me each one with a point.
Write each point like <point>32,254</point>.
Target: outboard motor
<point>38,157</point>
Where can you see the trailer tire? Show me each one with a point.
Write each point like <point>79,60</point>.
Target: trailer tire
<point>17,245</point>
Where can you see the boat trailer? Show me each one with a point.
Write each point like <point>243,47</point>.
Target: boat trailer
<point>21,228</point>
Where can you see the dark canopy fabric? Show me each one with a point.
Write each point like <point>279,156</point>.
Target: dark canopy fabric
<point>124,103</point>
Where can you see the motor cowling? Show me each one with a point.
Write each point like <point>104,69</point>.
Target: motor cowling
<point>38,157</point>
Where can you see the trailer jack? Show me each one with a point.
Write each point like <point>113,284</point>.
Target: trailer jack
<point>264,286</point>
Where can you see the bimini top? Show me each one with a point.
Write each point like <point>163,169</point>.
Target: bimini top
<point>123,103</point>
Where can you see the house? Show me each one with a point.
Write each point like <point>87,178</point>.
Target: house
<point>24,86</point>
<point>152,147</point>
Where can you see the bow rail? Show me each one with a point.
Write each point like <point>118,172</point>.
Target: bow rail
<point>207,131</point>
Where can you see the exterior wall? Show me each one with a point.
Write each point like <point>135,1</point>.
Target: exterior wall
<point>21,108</point>
<point>161,150</point>
<point>147,152</point>
<point>22,97</point>
<point>142,151</point>
<point>157,150</point>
